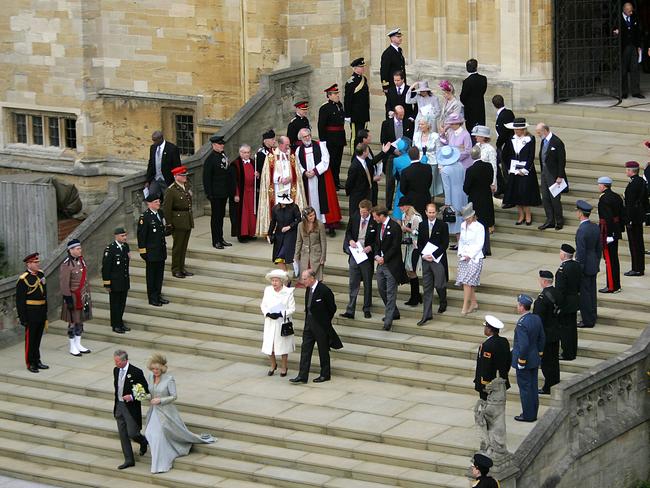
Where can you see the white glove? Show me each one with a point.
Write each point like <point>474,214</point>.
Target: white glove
<point>610,240</point>
<point>348,120</point>
<point>519,366</point>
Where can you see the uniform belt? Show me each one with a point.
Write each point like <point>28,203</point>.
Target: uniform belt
<point>35,302</point>
<point>335,128</point>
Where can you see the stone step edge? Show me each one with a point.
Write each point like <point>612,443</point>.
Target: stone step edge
<point>330,468</point>
<point>270,421</point>
<point>320,443</point>
<point>341,367</point>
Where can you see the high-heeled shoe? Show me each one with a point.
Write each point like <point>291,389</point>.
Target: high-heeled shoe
<point>529,222</point>
<point>271,372</point>
<point>285,372</point>
<point>519,222</point>
<point>472,309</point>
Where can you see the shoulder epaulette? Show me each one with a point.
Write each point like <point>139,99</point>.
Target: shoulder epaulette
<point>351,79</point>
<point>24,275</point>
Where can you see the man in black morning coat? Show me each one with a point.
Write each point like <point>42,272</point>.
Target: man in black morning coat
<point>471,95</point>
<point>320,308</point>
<point>126,409</point>
<point>163,157</point>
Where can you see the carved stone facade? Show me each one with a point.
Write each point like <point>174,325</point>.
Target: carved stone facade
<point>93,79</point>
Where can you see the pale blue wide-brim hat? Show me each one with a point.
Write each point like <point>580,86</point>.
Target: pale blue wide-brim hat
<point>447,155</point>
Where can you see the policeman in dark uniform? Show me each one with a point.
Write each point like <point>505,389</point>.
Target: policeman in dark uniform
<point>481,465</point>
<point>178,209</point>
<point>300,121</point>
<point>636,204</point>
<point>392,60</point>
<point>331,130</point>
<point>153,248</point>
<point>493,356</point>
<point>31,305</point>
<point>545,307</point>
<point>219,186</point>
<point>356,99</point>
<point>115,275</point>
<point>567,285</point>
<point>611,216</point>
<point>527,351</point>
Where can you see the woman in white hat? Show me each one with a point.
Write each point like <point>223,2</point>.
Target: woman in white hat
<point>428,105</point>
<point>522,188</point>
<point>488,153</point>
<point>450,104</point>
<point>427,140</point>
<point>278,305</point>
<point>470,258</point>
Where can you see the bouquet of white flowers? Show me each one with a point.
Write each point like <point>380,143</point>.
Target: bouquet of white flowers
<point>139,392</point>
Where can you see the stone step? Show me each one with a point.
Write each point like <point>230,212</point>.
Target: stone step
<point>23,467</point>
<point>618,114</point>
<point>372,346</point>
<point>497,304</point>
<point>337,274</point>
<point>235,439</point>
<point>402,373</point>
<point>100,438</point>
<point>342,429</point>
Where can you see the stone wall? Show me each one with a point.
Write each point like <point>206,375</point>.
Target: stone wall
<point>597,432</point>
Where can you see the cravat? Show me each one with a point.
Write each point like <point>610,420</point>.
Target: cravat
<point>399,131</point>
<point>430,228</point>
<point>383,229</point>
<point>120,385</point>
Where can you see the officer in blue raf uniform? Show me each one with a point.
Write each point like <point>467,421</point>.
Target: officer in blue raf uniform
<point>527,350</point>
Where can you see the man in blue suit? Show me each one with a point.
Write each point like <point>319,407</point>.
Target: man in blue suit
<point>588,252</point>
<point>527,350</point>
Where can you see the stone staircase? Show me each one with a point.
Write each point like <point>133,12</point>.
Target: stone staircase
<point>398,411</point>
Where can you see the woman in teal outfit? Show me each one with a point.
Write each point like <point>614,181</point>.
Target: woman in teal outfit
<point>399,163</point>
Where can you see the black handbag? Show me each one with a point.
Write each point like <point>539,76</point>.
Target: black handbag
<point>287,327</point>
<point>449,214</point>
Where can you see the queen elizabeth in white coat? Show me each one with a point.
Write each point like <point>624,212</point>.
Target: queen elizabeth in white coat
<point>277,306</point>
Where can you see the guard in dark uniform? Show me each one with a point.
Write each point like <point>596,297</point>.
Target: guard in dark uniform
<point>493,356</point>
<point>115,275</point>
<point>219,186</point>
<point>546,308</point>
<point>611,215</point>
<point>153,249</point>
<point>356,100</point>
<point>636,204</point>
<point>481,465</point>
<point>527,351</point>
<point>31,305</point>
<point>331,130</point>
<point>567,285</point>
<point>300,121</point>
<point>178,209</point>
<point>392,60</point>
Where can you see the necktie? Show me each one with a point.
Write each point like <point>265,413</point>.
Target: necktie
<point>430,228</point>
<point>399,90</point>
<point>120,385</point>
<point>383,229</point>
<point>364,222</point>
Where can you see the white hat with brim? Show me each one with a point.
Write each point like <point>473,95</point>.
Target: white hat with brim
<point>467,211</point>
<point>447,155</point>
<point>423,86</point>
<point>284,198</point>
<point>518,123</point>
<point>277,273</point>
<point>493,322</point>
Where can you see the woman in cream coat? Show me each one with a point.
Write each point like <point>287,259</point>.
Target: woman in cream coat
<point>311,244</point>
<point>278,303</point>
<point>168,436</point>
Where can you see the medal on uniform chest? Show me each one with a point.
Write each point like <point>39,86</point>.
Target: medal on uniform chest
<point>154,229</point>
<point>118,263</point>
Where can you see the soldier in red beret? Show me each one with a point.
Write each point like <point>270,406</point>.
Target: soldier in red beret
<point>177,208</point>
<point>31,304</point>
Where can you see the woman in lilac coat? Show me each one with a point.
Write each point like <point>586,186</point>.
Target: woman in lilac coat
<point>455,135</point>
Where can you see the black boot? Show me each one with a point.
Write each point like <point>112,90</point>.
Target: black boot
<point>442,294</point>
<point>416,298</point>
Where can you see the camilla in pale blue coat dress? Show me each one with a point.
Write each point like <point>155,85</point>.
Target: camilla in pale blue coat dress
<point>452,174</point>
<point>167,435</point>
